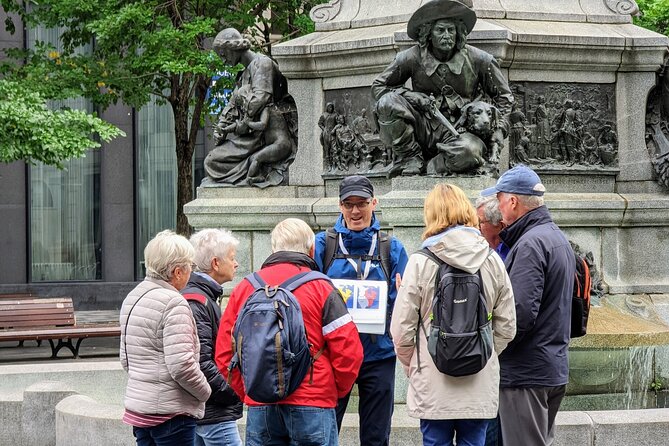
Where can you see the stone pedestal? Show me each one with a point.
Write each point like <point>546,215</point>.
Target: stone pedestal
<point>617,211</point>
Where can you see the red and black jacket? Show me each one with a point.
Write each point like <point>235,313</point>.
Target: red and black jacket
<point>327,322</point>
<point>202,294</point>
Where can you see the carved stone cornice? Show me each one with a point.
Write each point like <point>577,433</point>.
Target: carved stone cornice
<point>623,7</point>
<point>325,12</point>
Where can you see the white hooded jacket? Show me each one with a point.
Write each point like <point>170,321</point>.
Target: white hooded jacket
<point>433,395</point>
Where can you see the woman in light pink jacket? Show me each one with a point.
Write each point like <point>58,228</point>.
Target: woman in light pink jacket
<point>160,349</point>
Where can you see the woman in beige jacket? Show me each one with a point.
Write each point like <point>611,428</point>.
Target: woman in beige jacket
<point>448,405</point>
<point>160,349</point>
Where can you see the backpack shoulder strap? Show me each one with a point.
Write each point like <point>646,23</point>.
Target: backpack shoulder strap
<point>293,283</point>
<point>255,280</point>
<point>384,254</point>
<point>430,255</point>
<point>330,248</point>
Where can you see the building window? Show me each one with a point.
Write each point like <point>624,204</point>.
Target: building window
<point>65,207</point>
<point>156,175</point>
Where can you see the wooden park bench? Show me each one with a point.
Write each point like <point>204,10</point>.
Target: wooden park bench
<point>16,296</point>
<point>49,319</point>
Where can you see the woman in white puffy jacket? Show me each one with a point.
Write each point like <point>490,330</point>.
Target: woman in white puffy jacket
<point>160,349</point>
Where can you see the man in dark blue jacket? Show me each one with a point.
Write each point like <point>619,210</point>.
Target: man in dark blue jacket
<point>215,264</point>
<point>361,251</point>
<point>534,367</point>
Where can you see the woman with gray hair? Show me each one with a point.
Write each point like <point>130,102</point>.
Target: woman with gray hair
<point>215,264</point>
<point>160,349</point>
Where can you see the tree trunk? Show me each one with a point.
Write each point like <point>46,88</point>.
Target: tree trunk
<point>184,148</point>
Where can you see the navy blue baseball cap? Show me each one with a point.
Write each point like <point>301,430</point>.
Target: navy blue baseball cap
<point>355,186</point>
<point>520,180</point>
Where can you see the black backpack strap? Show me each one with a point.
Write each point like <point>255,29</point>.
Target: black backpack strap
<point>293,283</point>
<point>384,254</point>
<point>330,248</point>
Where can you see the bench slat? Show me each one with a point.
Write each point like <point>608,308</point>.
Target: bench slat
<point>48,319</point>
<point>27,313</point>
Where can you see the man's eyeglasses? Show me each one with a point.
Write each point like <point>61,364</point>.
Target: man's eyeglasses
<point>361,205</point>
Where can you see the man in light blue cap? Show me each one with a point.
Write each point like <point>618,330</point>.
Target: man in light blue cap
<point>534,367</point>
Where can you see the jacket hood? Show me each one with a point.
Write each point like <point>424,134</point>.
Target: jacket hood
<point>357,240</point>
<point>208,286</point>
<point>374,226</point>
<point>462,247</point>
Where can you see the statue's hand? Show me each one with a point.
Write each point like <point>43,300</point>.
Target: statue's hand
<point>418,100</point>
<point>242,128</point>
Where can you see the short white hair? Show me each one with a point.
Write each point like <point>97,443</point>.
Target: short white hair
<point>165,252</point>
<point>292,234</point>
<point>491,210</point>
<point>210,243</point>
<point>530,201</point>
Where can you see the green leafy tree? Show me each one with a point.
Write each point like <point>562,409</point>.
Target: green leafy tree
<point>145,50</point>
<point>31,132</point>
<point>654,15</point>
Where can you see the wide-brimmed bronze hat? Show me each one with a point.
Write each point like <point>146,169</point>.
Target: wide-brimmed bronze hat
<point>442,9</point>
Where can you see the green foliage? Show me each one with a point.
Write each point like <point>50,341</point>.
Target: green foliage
<point>135,51</point>
<point>654,15</point>
<point>31,132</point>
<point>656,385</point>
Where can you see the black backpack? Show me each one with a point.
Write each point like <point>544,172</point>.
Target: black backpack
<point>580,301</point>
<point>269,339</point>
<point>460,336</point>
<point>332,252</point>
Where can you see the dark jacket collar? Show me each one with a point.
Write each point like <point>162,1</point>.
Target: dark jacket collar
<point>208,287</point>
<point>295,258</point>
<point>513,232</point>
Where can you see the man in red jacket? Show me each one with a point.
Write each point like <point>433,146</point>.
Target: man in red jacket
<point>308,414</point>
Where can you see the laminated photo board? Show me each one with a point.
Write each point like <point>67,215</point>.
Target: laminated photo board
<point>367,302</point>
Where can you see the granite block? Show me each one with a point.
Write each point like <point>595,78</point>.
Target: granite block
<point>573,428</point>
<point>633,158</point>
<point>648,427</point>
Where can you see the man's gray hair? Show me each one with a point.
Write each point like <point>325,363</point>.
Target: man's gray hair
<point>210,243</point>
<point>292,234</point>
<point>165,252</point>
<point>530,201</point>
<point>491,210</point>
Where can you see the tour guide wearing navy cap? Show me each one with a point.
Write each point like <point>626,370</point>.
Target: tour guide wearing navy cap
<point>520,180</point>
<point>355,186</point>
<point>534,367</point>
<point>357,246</point>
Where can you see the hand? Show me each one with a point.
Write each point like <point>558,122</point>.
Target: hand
<point>398,281</point>
<point>242,128</point>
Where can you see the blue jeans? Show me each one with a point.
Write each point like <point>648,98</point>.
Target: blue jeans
<point>178,431</point>
<point>441,432</point>
<point>493,436</point>
<point>279,425</point>
<point>224,433</point>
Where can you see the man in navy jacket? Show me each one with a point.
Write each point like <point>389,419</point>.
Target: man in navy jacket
<point>534,367</point>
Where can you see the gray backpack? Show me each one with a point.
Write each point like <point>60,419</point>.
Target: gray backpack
<point>460,333</point>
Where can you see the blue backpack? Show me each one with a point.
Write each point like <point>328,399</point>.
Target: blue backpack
<point>269,339</point>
